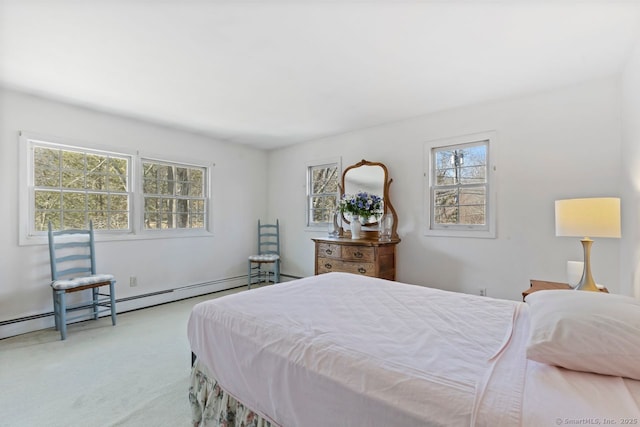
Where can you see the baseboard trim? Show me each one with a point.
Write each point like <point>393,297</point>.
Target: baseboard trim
<point>25,318</point>
<point>34,322</point>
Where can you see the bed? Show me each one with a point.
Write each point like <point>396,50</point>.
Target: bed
<point>346,350</point>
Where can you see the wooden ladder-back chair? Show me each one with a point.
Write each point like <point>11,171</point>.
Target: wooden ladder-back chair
<point>268,253</point>
<point>73,269</point>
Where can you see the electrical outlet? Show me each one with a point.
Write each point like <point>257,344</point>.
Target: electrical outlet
<point>133,281</point>
<point>483,292</point>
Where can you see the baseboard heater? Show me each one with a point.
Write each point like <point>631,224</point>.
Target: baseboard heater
<point>135,297</point>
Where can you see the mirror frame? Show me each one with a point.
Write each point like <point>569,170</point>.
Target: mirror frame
<point>388,206</point>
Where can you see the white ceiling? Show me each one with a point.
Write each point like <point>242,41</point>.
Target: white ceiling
<point>275,73</point>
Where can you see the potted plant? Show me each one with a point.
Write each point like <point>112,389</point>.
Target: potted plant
<point>360,207</point>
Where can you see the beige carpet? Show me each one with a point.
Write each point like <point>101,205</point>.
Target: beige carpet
<point>161,409</point>
<point>133,374</point>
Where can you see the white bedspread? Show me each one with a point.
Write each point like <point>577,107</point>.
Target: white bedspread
<point>340,349</point>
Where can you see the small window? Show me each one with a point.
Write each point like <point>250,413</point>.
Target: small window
<point>322,192</point>
<point>174,195</point>
<point>71,186</point>
<point>460,199</point>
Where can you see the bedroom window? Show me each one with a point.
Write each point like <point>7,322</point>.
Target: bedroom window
<point>70,186</point>
<point>174,195</point>
<point>126,195</point>
<point>459,196</point>
<point>322,192</point>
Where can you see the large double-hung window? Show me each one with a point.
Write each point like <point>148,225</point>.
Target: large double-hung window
<point>72,186</point>
<point>460,193</point>
<point>174,195</point>
<point>123,194</point>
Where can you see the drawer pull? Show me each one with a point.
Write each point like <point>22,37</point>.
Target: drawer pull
<point>362,270</point>
<point>328,251</point>
<point>358,254</point>
<point>328,266</point>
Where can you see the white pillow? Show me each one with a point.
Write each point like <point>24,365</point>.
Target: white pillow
<point>585,331</point>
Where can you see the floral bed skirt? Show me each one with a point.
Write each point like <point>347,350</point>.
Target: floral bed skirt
<point>211,406</point>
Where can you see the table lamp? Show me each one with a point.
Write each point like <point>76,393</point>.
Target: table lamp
<point>592,217</point>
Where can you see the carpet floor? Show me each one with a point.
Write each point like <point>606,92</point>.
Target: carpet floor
<point>133,374</point>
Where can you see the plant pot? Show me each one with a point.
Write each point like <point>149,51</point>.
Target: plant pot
<point>355,227</point>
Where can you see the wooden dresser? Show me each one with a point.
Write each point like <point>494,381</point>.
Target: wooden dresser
<point>368,257</point>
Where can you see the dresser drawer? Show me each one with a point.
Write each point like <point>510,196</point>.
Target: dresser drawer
<point>358,253</point>
<point>327,265</point>
<point>364,268</point>
<point>329,250</point>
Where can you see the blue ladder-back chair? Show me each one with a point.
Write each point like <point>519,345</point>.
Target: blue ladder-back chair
<point>73,269</point>
<point>268,253</point>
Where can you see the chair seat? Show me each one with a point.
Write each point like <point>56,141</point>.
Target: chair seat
<point>264,258</point>
<point>81,281</point>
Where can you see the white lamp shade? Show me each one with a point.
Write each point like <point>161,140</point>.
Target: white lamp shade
<point>593,217</point>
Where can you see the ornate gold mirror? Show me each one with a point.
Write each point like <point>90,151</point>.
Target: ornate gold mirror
<point>372,178</point>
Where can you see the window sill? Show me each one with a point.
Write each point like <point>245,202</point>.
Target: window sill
<point>479,234</point>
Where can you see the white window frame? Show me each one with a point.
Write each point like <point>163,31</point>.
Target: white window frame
<point>487,230</point>
<point>28,236</point>
<point>337,161</point>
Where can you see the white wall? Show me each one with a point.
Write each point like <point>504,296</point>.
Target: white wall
<point>239,198</point>
<point>630,248</point>
<point>559,144</point>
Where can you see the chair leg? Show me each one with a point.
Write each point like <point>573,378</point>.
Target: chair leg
<point>63,314</point>
<point>276,269</point>
<point>249,276</point>
<point>112,297</point>
<point>56,309</point>
<point>94,302</point>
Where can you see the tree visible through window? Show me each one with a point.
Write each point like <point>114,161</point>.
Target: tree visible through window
<point>174,196</point>
<point>322,193</point>
<point>459,190</point>
<point>72,187</point>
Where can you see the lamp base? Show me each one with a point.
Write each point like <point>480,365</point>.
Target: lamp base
<point>586,282</point>
<point>587,286</point>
